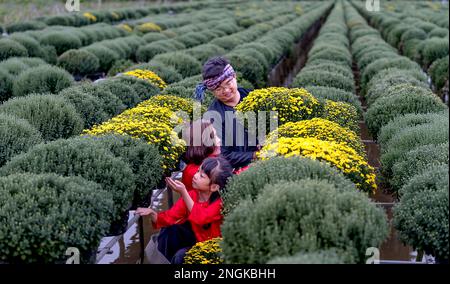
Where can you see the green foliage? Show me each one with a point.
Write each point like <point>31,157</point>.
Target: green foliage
<point>410,138</point>
<point>324,79</point>
<point>62,41</point>
<point>416,161</point>
<point>434,48</point>
<point>79,62</point>
<point>52,115</point>
<point>307,215</point>
<point>79,158</point>
<point>143,159</point>
<point>10,48</point>
<point>249,183</point>
<point>6,84</point>
<point>387,108</point>
<point>16,136</point>
<point>422,215</point>
<point>106,57</point>
<point>439,72</point>
<point>42,79</point>
<point>47,214</point>
<point>25,26</point>
<point>185,64</point>
<point>330,256</point>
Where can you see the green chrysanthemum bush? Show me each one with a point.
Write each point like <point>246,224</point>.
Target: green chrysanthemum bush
<point>147,52</point>
<point>185,64</point>
<point>308,215</point>
<point>110,103</point>
<point>123,92</point>
<point>434,48</point>
<point>52,115</point>
<point>329,256</point>
<point>62,41</point>
<point>321,129</point>
<point>324,79</point>
<point>79,158</point>
<point>42,79</point>
<point>384,63</point>
<point>143,88</point>
<point>106,57</point>
<point>6,85</point>
<point>143,159</point>
<point>416,161</point>
<point>33,47</point>
<point>290,104</point>
<point>206,252</point>
<point>421,217</point>
<point>387,108</point>
<point>47,214</point>
<point>25,26</point>
<point>410,138</point>
<point>406,89</point>
<point>439,72</point>
<point>405,121</point>
<point>329,67</point>
<point>16,136</point>
<point>79,62</point>
<point>10,48</point>
<point>248,184</point>
<point>354,166</point>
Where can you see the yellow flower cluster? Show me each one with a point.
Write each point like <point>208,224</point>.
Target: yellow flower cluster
<point>321,129</point>
<point>125,27</point>
<point>90,16</point>
<point>148,75</point>
<point>298,9</point>
<point>115,15</point>
<point>341,156</point>
<point>291,104</point>
<point>207,252</point>
<point>152,123</point>
<point>343,114</point>
<point>176,104</point>
<point>149,27</point>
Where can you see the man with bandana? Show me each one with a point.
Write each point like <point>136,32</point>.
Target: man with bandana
<point>220,78</point>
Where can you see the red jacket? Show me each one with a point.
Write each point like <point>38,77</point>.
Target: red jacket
<point>202,213</point>
<point>188,174</point>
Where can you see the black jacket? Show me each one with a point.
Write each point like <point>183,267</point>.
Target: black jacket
<point>238,156</point>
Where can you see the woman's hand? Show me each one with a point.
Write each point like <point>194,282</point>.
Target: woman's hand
<point>176,185</point>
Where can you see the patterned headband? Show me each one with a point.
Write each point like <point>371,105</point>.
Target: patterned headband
<point>215,82</point>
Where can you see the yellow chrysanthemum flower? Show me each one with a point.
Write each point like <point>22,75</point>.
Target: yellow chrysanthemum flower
<point>90,16</point>
<point>148,75</point>
<point>341,156</point>
<point>321,129</point>
<point>207,252</point>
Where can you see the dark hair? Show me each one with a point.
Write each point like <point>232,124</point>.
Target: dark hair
<point>219,170</point>
<point>196,154</point>
<point>214,67</point>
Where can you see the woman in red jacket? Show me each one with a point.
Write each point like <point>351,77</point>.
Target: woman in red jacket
<point>196,216</point>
